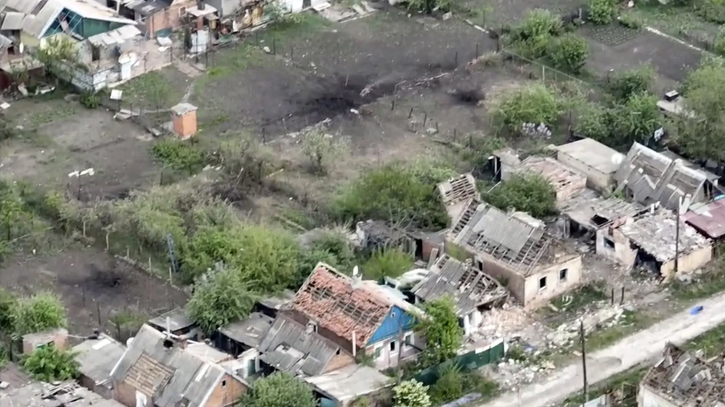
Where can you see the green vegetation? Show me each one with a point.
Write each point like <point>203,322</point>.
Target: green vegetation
<point>711,10</point>
<point>568,53</point>
<point>711,342</point>
<point>411,393</point>
<point>396,193</point>
<point>576,300</point>
<point>442,333</point>
<point>37,313</point>
<point>49,364</point>
<point>220,299</point>
<point>535,104</point>
<point>22,228</point>
<point>622,85</point>
<point>630,377</point>
<point>453,383</point>
<point>179,155</point>
<point>323,150</point>
<point>531,37</point>
<point>279,390</point>
<point>530,193</point>
<point>629,323</point>
<point>602,11</point>
<point>90,100</point>
<point>631,20</point>
<point>387,263</point>
<point>706,284</point>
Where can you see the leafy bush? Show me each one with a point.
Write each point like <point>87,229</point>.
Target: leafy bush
<point>569,53</point>
<point>532,35</point>
<point>635,120</point>
<point>280,390</point>
<point>22,228</point>
<point>40,312</point>
<point>626,83</point>
<point>90,100</point>
<point>411,393</point>
<point>219,300</point>
<point>601,11</point>
<point>443,335</point>
<point>179,155</point>
<point>396,193</point>
<point>529,193</point>
<point>529,104</point>
<point>323,150</point>
<point>50,364</point>
<point>632,21</point>
<point>449,385</point>
<point>388,263</point>
<point>593,122</point>
<point>711,10</point>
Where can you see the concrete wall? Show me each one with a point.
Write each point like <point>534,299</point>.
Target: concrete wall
<point>389,359</point>
<point>124,393</point>
<point>511,279</point>
<point>622,253</point>
<point>596,179</point>
<point>648,398</point>
<point>227,392</point>
<point>535,296</point>
<point>688,263</point>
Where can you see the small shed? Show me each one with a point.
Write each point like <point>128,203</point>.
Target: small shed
<point>96,358</point>
<point>240,336</point>
<point>341,387</point>
<point>177,322</point>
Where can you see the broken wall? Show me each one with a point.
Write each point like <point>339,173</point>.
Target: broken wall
<point>623,251</point>
<point>646,397</point>
<point>688,263</point>
<point>555,285</point>
<point>595,178</point>
<point>508,277</point>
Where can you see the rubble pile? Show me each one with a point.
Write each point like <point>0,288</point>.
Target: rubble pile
<point>568,332</point>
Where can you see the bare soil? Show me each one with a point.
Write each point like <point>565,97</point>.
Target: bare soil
<point>89,281</point>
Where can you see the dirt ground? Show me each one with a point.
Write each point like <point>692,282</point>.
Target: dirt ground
<point>89,281</point>
<point>65,137</point>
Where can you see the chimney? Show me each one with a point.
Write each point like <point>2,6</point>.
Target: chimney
<point>356,278</point>
<point>354,344</point>
<point>200,4</point>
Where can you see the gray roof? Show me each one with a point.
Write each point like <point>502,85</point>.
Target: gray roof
<point>250,331</point>
<point>485,229</point>
<point>593,154</point>
<point>66,394</point>
<point>654,177</point>
<point>177,320</point>
<point>289,348</point>
<point>467,286</point>
<point>584,207</point>
<point>13,21</point>
<point>97,357</point>
<point>23,6</point>
<point>166,374</point>
<point>350,382</point>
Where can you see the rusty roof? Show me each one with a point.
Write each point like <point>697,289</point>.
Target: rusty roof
<point>336,303</point>
<point>708,218</point>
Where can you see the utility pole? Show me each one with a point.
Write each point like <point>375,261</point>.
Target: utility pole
<point>399,373</point>
<point>584,360</point>
<point>677,236</point>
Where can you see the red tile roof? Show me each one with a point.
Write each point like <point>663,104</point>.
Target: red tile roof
<point>329,299</point>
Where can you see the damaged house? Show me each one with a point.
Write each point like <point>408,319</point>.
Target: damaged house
<point>372,235</point>
<point>647,177</point>
<point>591,215</point>
<point>649,241</point>
<point>456,192</point>
<point>109,48</point>
<point>471,290</point>
<point>516,251</point>
<point>357,316</point>
<point>681,379</point>
<point>597,162</point>
<point>165,370</point>
<point>708,219</point>
<point>566,182</point>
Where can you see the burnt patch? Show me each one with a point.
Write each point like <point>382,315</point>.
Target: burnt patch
<point>468,97</point>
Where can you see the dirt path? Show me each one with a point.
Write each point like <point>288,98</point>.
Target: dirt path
<point>628,352</point>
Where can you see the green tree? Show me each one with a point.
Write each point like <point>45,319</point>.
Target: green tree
<point>529,193</point>
<point>441,330</point>
<point>41,312</point>
<point>220,299</point>
<point>279,390</point>
<point>49,364</point>
<point>702,129</point>
<point>593,122</point>
<point>569,53</point>
<point>602,11</point>
<point>8,303</point>
<point>387,263</point>
<point>711,10</point>
<point>58,56</point>
<point>411,393</point>
<point>393,192</point>
<point>532,35</point>
<point>635,120</point>
<point>624,84</point>
<point>535,103</point>
<point>323,150</point>
<point>720,42</point>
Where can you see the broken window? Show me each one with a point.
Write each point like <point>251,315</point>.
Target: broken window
<point>393,346</point>
<point>599,220</point>
<point>408,339</point>
<point>608,243</point>
<point>542,283</point>
<point>563,274</point>
<point>95,53</point>
<point>378,352</point>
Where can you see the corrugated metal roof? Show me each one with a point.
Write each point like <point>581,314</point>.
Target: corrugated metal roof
<point>36,25</point>
<point>114,37</point>
<point>23,6</point>
<point>350,382</point>
<point>250,331</point>
<point>288,347</point>
<point>467,286</point>
<point>89,9</point>
<point>13,21</point>
<point>98,356</point>
<point>709,219</point>
<point>177,320</point>
<point>169,373</point>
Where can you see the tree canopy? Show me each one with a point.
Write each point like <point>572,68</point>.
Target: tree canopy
<point>221,298</point>
<point>279,390</point>
<point>530,193</point>
<point>40,312</point>
<point>441,330</point>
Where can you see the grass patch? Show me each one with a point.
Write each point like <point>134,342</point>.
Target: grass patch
<point>51,115</point>
<point>574,301</point>
<point>672,20</point>
<point>711,342</point>
<point>629,323</point>
<point>627,382</point>
<point>298,27</point>
<point>179,155</point>
<point>706,285</point>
